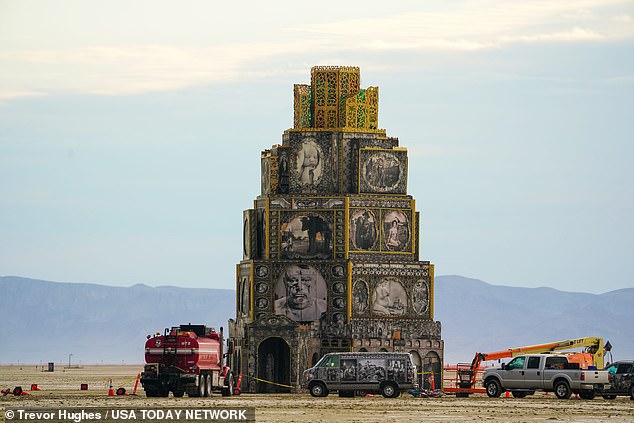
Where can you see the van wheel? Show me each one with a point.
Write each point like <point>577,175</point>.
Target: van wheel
<point>318,389</point>
<point>389,390</point>
<point>587,395</point>
<point>562,389</point>
<point>493,387</point>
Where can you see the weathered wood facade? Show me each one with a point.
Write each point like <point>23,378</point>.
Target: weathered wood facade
<point>331,246</point>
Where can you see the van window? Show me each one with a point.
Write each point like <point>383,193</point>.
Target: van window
<point>332,361</point>
<point>533,362</point>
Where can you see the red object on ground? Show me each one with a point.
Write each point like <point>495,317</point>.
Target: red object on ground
<point>136,383</point>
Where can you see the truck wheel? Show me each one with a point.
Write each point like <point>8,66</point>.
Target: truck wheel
<point>562,389</point>
<point>609,397</point>
<point>202,386</point>
<point>519,394</point>
<point>210,386</point>
<point>632,392</point>
<point>389,390</point>
<point>318,389</point>
<point>587,395</point>
<point>178,393</point>
<point>346,394</point>
<point>227,391</point>
<point>493,387</point>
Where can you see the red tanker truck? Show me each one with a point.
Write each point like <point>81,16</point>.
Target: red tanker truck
<point>186,358</point>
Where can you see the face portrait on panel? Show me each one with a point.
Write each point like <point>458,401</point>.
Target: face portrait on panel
<point>300,293</point>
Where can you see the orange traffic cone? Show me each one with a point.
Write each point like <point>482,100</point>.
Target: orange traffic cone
<point>111,389</point>
<point>34,387</point>
<point>508,394</point>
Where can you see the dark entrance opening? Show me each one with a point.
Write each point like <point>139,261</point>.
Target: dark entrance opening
<point>274,365</point>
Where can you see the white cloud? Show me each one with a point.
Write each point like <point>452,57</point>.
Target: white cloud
<point>138,67</point>
<point>623,18</point>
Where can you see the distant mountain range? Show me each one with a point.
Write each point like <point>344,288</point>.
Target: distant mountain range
<point>46,321</point>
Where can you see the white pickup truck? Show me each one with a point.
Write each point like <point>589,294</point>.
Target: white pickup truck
<point>546,372</point>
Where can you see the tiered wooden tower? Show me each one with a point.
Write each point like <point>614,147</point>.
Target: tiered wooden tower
<point>331,247</point>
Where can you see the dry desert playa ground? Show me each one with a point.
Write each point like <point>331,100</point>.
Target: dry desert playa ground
<point>61,388</point>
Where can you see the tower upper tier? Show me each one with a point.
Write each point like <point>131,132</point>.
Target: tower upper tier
<point>334,100</point>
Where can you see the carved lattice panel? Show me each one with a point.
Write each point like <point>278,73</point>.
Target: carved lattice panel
<point>302,117</point>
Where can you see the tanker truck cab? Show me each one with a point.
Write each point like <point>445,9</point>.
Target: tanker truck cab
<point>186,359</point>
<point>388,373</point>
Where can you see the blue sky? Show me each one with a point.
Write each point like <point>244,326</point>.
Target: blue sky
<point>130,132</point>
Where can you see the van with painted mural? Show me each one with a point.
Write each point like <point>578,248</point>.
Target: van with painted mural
<point>388,373</point>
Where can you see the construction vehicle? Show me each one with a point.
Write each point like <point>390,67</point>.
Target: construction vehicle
<point>186,359</point>
<point>592,356</point>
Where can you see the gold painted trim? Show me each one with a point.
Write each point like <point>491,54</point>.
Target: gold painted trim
<point>431,290</point>
<point>267,232</point>
<point>346,226</point>
<point>252,291</point>
<point>238,293</point>
<point>342,130</point>
<point>414,225</point>
<point>350,292</point>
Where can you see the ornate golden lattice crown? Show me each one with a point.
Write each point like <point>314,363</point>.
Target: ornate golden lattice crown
<point>334,100</point>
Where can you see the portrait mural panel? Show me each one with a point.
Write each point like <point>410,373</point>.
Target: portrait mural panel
<point>420,298</point>
<point>300,293</point>
<point>266,175</point>
<point>389,298</point>
<point>360,297</point>
<point>309,163</point>
<point>382,171</point>
<point>245,295</point>
<point>306,235</point>
<point>364,230</point>
<point>396,234</point>
<point>283,172</point>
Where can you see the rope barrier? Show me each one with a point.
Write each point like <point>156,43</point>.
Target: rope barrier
<point>127,381</point>
<point>271,383</point>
